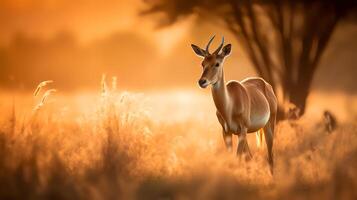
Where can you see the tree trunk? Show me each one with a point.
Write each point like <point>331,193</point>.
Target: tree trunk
<point>299,93</point>
<point>298,98</point>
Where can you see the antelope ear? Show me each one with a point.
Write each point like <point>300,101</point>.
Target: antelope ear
<point>226,50</point>
<point>198,50</point>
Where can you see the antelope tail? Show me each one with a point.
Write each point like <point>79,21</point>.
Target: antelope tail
<point>259,137</point>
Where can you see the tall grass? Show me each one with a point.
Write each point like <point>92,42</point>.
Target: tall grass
<point>117,148</point>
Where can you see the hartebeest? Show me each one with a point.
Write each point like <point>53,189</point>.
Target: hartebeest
<point>242,107</point>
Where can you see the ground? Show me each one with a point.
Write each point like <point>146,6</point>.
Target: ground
<point>161,145</point>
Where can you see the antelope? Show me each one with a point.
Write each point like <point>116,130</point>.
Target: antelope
<point>243,107</point>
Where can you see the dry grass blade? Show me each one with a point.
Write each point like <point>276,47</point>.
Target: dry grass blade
<point>47,94</point>
<point>114,83</point>
<point>38,106</point>
<point>103,85</point>
<point>44,98</point>
<point>41,85</point>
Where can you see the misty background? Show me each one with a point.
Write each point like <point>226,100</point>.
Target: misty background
<point>74,43</point>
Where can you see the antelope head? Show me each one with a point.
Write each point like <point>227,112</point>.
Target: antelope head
<point>212,62</point>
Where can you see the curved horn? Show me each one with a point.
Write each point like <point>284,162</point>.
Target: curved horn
<point>220,47</point>
<point>209,43</point>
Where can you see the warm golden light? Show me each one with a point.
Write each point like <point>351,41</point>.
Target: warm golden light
<point>99,101</point>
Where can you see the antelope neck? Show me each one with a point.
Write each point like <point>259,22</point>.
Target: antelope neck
<point>220,96</point>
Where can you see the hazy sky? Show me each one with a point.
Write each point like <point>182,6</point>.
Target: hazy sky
<point>87,19</point>
<point>74,42</point>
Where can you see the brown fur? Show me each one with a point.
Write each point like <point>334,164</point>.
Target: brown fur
<point>242,107</point>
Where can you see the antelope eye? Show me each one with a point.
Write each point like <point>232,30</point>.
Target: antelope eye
<point>216,65</point>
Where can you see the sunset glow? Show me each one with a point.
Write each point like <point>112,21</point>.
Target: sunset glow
<point>119,99</point>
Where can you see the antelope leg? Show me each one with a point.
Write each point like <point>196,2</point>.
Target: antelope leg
<point>269,137</point>
<point>227,137</point>
<point>243,144</point>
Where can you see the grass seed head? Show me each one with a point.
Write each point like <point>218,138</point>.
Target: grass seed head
<point>40,86</point>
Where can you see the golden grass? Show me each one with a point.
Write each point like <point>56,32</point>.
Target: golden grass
<point>40,86</point>
<point>162,146</point>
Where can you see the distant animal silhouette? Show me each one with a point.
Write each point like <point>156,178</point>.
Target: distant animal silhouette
<point>329,121</point>
<point>293,112</point>
<point>243,107</point>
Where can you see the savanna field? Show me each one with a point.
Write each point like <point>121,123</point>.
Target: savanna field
<point>163,145</point>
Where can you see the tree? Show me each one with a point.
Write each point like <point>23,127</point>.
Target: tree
<point>284,39</point>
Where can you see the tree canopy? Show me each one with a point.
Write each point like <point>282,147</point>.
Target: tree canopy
<point>283,39</point>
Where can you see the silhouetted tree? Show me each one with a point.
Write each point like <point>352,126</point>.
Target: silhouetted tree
<point>284,39</point>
